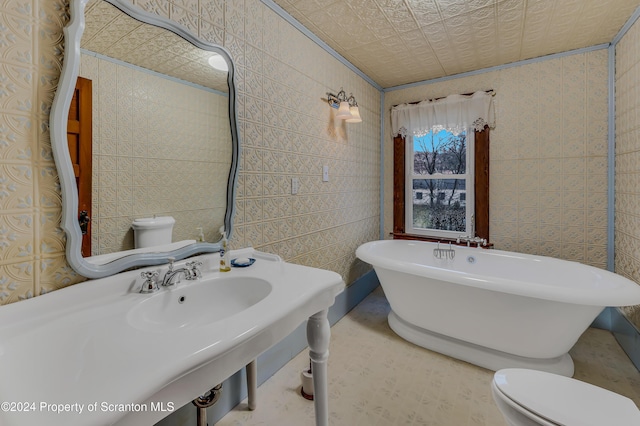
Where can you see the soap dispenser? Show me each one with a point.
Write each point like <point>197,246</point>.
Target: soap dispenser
<point>224,252</point>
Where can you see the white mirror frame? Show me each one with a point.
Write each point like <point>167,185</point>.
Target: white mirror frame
<point>58,128</point>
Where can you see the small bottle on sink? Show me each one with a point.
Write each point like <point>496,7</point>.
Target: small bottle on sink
<point>224,252</point>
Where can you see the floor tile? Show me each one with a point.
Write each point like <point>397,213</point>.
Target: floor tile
<point>377,378</point>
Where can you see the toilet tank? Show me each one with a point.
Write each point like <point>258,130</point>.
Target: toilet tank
<point>152,231</point>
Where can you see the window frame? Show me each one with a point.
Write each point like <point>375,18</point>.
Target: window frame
<point>468,177</point>
<point>481,185</point>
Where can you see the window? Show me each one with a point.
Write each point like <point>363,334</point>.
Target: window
<point>456,205</point>
<point>440,175</point>
<point>441,178</point>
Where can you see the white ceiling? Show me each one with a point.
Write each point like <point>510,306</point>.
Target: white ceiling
<point>397,42</point>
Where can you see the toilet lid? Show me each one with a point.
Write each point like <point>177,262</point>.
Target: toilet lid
<point>153,222</point>
<point>566,401</point>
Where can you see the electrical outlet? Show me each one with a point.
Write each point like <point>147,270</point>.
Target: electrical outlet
<point>325,173</point>
<point>295,184</point>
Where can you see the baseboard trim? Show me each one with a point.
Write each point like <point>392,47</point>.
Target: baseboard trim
<point>603,320</point>
<point>234,388</point>
<point>627,335</point>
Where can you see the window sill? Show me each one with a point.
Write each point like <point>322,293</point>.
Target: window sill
<point>403,236</point>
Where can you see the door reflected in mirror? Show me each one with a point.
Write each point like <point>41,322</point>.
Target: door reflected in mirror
<point>161,138</point>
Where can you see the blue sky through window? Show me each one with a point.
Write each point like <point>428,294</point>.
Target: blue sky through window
<point>440,137</point>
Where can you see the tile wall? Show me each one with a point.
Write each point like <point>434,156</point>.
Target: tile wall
<point>32,259</point>
<point>548,154</point>
<point>149,133</point>
<point>627,184</point>
<point>286,131</point>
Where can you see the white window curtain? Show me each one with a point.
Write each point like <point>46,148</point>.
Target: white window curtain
<point>454,113</point>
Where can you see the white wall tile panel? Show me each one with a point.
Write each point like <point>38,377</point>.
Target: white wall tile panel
<point>548,192</point>
<point>627,177</point>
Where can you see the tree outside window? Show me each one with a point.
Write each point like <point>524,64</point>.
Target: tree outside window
<point>440,183</point>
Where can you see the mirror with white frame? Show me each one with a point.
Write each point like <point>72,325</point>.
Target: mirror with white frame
<point>162,137</point>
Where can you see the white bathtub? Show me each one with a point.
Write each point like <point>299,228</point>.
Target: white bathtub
<point>492,308</point>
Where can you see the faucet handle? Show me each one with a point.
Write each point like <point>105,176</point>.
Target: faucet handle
<point>194,269</point>
<point>150,284</point>
<point>171,260</point>
<point>149,275</point>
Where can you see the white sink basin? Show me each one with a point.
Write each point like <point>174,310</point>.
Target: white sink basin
<point>201,303</point>
<point>116,356</point>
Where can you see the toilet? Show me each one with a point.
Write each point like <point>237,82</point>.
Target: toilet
<point>152,231</point>
<point>534,398</point>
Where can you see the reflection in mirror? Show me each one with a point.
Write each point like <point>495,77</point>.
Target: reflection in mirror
<point>162,138</point>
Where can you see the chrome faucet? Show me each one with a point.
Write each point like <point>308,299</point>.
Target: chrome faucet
<point>469,239</point>
<point>191,272</point>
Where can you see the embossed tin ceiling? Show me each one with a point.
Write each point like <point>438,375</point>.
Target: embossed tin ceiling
<point>112,33</point>
<point>397,42</point>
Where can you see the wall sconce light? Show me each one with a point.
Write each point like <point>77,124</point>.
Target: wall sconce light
<point>347,106</point>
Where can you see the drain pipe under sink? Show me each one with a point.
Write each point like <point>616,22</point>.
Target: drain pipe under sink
<point>211,397</point>
<point>205,401</point>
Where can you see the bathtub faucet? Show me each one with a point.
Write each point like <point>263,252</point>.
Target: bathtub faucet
<point>469,239</point>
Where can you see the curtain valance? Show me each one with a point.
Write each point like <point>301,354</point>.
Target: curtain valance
<point>454,113</point>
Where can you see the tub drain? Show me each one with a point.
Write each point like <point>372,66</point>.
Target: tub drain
<point>471,259</point>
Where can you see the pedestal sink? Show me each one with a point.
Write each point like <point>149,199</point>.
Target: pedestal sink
<point>101,353</point>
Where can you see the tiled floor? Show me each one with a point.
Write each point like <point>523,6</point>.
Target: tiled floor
<point>377,378</point>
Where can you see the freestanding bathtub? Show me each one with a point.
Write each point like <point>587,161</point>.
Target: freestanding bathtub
<point>493,308</point>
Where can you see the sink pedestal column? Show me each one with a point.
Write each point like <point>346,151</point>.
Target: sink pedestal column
<point>318,334</point>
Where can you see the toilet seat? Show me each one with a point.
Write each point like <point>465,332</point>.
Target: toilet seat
<point>514,413</point>
<point>551,399</point>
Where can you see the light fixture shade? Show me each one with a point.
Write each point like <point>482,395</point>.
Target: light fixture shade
<point>355,115</point>
<point>343,111</point>
<point>218,62</point>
